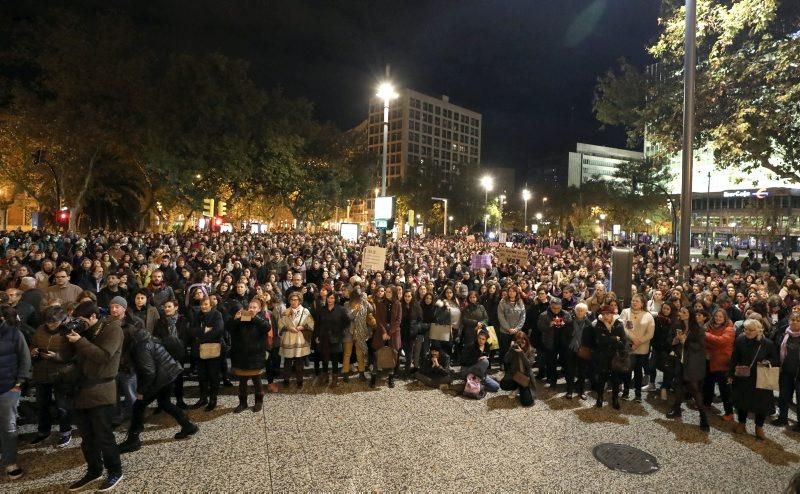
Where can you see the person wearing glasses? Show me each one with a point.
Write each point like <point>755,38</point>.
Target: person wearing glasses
<point>62,289</point>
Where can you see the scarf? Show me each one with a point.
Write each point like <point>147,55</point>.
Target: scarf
<point>785,340</point>
<point>172,323</point>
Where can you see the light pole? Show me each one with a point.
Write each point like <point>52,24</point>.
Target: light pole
<point>444,216</point>
<point>687,157</point>
<point>387,93</point>
<point>501,200</point>
<point>647,222</point>
<point>450,219</point>
<point>485,220</point>
<point>487,182</point>
<point>526,195</point>
<point>603,224</point>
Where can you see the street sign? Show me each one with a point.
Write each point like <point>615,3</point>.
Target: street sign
<point>381,223</point>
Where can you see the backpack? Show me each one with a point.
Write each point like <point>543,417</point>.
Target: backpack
<point>473,387</point>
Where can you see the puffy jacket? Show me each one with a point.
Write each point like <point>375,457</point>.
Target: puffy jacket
<point>153,365</point>
<point>719,347</point>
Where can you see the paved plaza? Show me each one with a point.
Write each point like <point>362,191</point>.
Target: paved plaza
<point>418,439</point>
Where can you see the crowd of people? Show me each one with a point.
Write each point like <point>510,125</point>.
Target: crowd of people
<point>97,327</point>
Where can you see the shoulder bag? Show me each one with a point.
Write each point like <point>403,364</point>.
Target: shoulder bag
<point>520,377</point>
<point>210,350</point>
<point>744,370</point>
<point>767,377</point>
<point>386,358</point>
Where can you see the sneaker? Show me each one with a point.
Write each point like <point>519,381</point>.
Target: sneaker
<point>110,482</point>
<point>64,440</point>
<point>583,396</point>
<point>14,473</point>
<point>391,382</point>
<point>185,433</point>
<point>568,396</point>
<point>39,439</point>
<point>86,480</point>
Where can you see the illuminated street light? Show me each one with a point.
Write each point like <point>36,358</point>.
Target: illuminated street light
<point>387,93</point>
<point>526,195</point>
<point>487,182</point>
<point>538,216</point>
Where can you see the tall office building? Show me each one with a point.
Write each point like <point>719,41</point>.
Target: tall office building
<point>427,130</point>
<point>597,162</point>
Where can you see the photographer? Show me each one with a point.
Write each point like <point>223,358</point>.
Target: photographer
<point>51,353</point>
<point>156,372</point>
<point>98,347</point>
<point>15,367</point>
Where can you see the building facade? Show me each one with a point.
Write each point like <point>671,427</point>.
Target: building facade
<point>590,162</point>
<point>425,129</point>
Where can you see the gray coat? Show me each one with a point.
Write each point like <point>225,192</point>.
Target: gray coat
<point>510,316</point>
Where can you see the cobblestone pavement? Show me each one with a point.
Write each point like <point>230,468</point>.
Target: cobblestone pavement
<point>412,438</point>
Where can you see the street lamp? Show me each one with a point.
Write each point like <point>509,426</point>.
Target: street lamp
<point>387,93</point>
<point>485,220</point>
<point>487,182</point>
<point>526,195</point>
<point>647,222</point>
<point>538,216</point>
<point>603,224</point>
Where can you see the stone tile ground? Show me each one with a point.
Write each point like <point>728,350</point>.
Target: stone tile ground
<point>412,438</point>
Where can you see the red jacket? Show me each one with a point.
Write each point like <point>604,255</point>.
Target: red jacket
<point>719,347</point>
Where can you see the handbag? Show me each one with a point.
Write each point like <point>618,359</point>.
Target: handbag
<point>524,380</point>
<point>210,350</point>
<point>371,321</point>
<point>441,332</point>
<point>744,370</point>
<point>767,377</point>
<point>621,362</point>
<point>386,358</point>
<point>584,352</point>
<point>494,343</point>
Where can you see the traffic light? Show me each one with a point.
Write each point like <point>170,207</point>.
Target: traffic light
<point>222,208</point>
<point>62,216</point>
<point>208,207</point>
<point>217,223</point>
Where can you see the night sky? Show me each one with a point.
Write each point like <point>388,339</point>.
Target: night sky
<point>529,66</point>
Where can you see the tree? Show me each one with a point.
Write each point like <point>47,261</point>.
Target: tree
<point>644,183</point>
<point>747,90</point>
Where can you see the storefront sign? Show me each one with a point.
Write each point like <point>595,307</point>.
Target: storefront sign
<point>758,194</point>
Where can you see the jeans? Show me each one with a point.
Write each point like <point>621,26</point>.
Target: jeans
<point>479,369</point>
<point>162,397</point>
<point>639,365</point>
<point>126,388</point>
<point>788,387</point>
<point>421,347</point>
<point>8,427</point>
<point>46,395</point>
<point>504,339</point>
<point>208,376</point>
<point>575,373</point>
<point>97,439</point>
<point>719,378</point>
<point>178,386</point>
<point>526,396</point>
<point>360,357</point>
<point>408,351</point>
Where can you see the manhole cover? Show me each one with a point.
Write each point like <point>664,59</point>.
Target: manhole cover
<point>625,458</point>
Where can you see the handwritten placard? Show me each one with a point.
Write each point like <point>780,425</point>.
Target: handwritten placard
<point>507,254</point>
<point>374,258</point>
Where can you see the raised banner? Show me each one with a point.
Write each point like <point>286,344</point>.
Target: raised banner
<point>374,258</point>
<point>508,254</point>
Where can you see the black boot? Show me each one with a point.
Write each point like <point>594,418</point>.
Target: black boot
<point>212,404</point>
<point>674,413</point>
<point>372,380</point>
<point>615,401</point>
<point>259,404</point>
<point>131,443</point>
<point>362,377</point>
<point>242,406</point>
<point>181,404</point>
<point>391,381</point>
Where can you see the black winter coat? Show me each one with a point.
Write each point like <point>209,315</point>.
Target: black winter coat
<point>153,365</point>
<point>329,328</point>
<point>175,341</point>
<point>744,394</point>
<point>551,335</point>
<point>249,343</point>
<point>605,343</point>
<point>216,329</point>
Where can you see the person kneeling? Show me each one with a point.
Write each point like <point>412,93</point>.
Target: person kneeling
<point>435,368</point>
<point>517,364</point>
<point>475,361</point>
<point>156,372</point>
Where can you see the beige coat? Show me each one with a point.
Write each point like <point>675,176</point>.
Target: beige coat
<point>295,345</point>
<point>643,329</point>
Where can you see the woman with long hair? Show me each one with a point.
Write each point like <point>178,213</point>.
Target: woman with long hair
<point>689,345</point>
<point>720,338</point>
<point>511,316</point>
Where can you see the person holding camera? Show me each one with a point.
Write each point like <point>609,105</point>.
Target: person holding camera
<point>689,344</point>
<point>551,324</point>
<point>98,348</point>
<point>156,372</point>
<point>518,366</point>
<point>250,338</point>
<point>15,369</point>
<point>52,354</point>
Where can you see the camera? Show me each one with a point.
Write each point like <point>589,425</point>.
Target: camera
<point>73,324</point>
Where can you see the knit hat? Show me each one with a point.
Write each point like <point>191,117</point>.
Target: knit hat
<point>118,301</point>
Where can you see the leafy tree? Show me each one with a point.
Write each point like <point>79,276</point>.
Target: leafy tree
<point>645,183</point>
<point>747,90</point>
